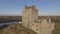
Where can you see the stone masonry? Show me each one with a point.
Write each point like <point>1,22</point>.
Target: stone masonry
<point>30,20</point>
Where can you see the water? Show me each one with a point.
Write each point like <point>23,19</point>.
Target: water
<point>9,23</point>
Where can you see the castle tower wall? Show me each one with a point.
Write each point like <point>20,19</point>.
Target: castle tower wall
<point>29,15</point>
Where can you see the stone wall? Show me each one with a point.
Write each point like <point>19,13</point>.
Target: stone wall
<point>29,15</point>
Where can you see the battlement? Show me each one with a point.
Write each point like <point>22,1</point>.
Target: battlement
<point>27,7</point>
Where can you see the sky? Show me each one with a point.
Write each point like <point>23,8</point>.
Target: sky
<point>15,7</point>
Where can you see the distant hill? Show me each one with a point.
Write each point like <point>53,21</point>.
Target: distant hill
<point>19,18</point>
<point>5,19</point>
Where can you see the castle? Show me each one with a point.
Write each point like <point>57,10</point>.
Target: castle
<point>30,20</point>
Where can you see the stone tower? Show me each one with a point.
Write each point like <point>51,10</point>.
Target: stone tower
<point>30,20</point>
<point>29,15</point>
